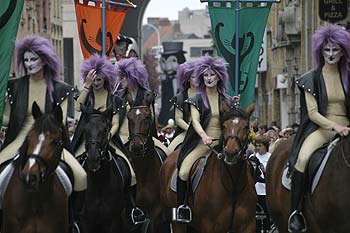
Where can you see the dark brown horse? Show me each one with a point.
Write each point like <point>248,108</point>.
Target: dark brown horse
<point>225,199</point>
<point>326,210</point>
<point>35,201</point>
<point>105,195</point>
<point>146,163</point>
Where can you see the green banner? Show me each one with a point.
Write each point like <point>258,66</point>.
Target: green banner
<point>252,22</point>
<point>10,12</point>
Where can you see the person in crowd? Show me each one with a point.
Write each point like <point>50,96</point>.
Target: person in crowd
<point>272,137</point>
<point>98,76</point>
<point>262,129</point>
<point>211,76</point>
<point>38,61</point>
<point>262,154</point>
<point>187,88</point>
<point>324,109</point>
<point>132,76</point>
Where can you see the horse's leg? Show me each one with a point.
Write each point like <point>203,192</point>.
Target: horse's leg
<point>179,227</point>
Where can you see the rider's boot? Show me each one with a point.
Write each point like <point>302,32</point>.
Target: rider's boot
<point>78,201</point>
<point>296,221</point>
<point>183,211</point>
<point>136,214</point>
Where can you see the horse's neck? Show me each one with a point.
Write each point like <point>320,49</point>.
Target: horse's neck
<point>145,165</point>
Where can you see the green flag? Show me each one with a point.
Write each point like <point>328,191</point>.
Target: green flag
<point>252,22</point>
<point>10,12</point>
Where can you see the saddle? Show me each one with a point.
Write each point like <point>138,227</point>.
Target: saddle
<point>314,167</point>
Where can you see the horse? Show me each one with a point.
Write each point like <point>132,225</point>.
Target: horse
<point>326,209</point>
<point>225,199</point>
<point>146,161</point>
<point>104,201</point>
<point>35,201</point>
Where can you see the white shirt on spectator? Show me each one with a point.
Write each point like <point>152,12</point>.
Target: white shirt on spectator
<point>260,187</point>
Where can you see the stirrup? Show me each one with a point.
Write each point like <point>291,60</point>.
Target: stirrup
<point>294,214</point>
<point>137,216</point>
<point>76,228</point>
<point>184,214</point>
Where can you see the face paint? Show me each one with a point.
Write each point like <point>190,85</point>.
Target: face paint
<point>332,53</point>
<point>32,63</point>
<point>193,81</point>
<point>98,82</point>
<point>211,79</point>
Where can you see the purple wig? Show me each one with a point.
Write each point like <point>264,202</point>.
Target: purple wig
<point>337,35</point>
<point>44,49</point>
<point>218,65</point>
<point>103,69</point>
<point>135,72</point>
<point>184,74</point>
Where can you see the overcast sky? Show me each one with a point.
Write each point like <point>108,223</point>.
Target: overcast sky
<point>169,8</point>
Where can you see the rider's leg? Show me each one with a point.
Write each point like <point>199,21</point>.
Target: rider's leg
<point>184,213</point>
<point>296,221</point>
<point>176,141</point>
<point>80,184</point>
<point>160,145</point>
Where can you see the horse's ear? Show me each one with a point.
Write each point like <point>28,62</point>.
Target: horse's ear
<point>109,113</point>
<point>58,113</point>
<point>82,108</point>
<point>225,107</point>
<point>250,109</point>
<point>36,112</point>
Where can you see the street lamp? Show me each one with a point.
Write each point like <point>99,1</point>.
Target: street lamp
<point>159,48</point>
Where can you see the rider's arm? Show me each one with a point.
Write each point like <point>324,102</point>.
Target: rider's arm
<point>315,115</point>
<point>82,98</point>
<point>115,124</point>
<point>196,121</point>
<point>64,107</point>
<point>179,119</point>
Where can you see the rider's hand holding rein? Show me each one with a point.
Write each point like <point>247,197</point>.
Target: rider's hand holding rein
<point>341,130</point>
<point>207,140</point>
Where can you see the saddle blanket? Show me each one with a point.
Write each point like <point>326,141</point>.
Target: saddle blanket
<point>6,174</point>
<point>286,181</point>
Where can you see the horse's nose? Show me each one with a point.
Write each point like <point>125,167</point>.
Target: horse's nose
<point>31,179</point>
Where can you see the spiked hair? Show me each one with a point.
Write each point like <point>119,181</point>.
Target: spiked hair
<point>218,65</point>
<point>184,74</point>
<point>337,35</point>
<point>103,69</point>
<point>135,72</point>
<point>44,49</point>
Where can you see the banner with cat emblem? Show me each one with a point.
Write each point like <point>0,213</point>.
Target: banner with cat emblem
<point>10,13</point>
<point>89,20</point>
<point>252,22</point>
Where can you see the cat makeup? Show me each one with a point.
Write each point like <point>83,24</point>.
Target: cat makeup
<point>211,79</point>
<point>32,63</point>
<point>332,53</point>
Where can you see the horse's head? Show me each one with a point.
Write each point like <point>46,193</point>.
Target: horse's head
<point>140,122</point>
<point>235,124</point>
<point>41,151</point>
<point>97,129</point>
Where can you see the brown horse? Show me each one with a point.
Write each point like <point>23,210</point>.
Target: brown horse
<point>326,209</point>
<point>35,201</point>
<point>146,162</point>
<point>225,199</point>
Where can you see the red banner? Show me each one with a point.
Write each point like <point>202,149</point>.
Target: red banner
<point>89,19</point>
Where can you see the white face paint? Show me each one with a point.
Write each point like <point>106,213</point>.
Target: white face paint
<point>123,80</point>
<point>32,63</point>
<point>98,82</point>
<point>210,78</point>
<point>332,53</point>
<point>193,81</point>
<point>169,65</point>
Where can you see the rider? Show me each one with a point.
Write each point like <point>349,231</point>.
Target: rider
<point>324,109</point>
<point>37,59</point>
<point>211,76</point>
<point>187,87</point>
<point>133,78</point>
<point>98,76</point>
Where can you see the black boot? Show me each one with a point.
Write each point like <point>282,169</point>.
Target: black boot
<point>78,201</point>
<point>183,211</point>
<point>296,221</point>
<point>136,214</point>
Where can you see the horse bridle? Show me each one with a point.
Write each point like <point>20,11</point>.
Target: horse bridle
<point>102,148</point>
<point>144,137</point>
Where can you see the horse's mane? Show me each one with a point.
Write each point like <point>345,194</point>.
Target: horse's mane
<point>234,112</point>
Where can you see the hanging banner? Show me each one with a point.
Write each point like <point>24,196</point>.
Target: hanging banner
<point>10,13</point>
<point>89,20</point>
<point>252,22</point>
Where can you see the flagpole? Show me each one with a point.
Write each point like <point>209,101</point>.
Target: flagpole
<point>103,27</point>
<point>237,48</point>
